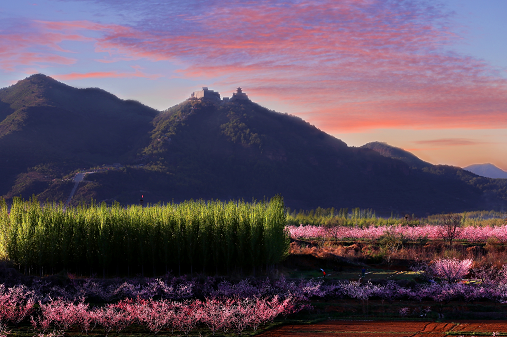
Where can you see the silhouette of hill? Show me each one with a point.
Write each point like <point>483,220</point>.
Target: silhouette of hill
<point>494,193</point>
<point>211,150</point>
<point>487,170</point>
<point>387,150</point>
<point>50,129</point>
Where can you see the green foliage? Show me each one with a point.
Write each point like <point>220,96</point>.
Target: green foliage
<point>475,219</point>
<point>391,241</point>
<point>330,217</point>
<point>237,131</point>
<point>193,235</point>
<point>389,244</point>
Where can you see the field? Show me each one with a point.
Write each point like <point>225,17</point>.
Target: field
<point>351,275</point>
<point>387,329</point>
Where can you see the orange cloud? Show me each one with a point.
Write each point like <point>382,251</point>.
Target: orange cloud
<point>451,142</point>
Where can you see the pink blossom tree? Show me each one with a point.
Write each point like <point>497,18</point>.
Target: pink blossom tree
<point>451,270</point>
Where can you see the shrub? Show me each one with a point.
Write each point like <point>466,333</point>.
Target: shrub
<point>450,270</point>
<point>450,227</point>
<point>493,244</point>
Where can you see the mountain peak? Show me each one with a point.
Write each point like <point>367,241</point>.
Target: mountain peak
<point>45,121</point>
<point>487,170</point>
<point>40,77</point>
<point>387,150</point>
<point>39,80</point>
<point>31,91</point>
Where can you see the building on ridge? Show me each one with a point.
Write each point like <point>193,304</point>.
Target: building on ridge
<point>206,94</point>
<point>239,95</point>
<point>209,95</point>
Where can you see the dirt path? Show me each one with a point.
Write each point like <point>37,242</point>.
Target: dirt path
<point>386,329</point>
<point>77,179</point>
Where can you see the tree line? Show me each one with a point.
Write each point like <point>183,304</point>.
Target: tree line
<point>193,236</point>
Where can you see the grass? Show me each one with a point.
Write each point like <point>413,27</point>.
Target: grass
<point>355,274</point>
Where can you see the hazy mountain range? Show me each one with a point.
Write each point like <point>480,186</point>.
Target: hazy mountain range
<point>487,170</point>
<point>203,149</point>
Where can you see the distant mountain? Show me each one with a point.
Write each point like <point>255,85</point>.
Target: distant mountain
<point>209,149</point>
<point>487,170</point>
<point>387,150</point>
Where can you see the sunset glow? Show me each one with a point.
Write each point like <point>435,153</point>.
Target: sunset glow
<point>423,75</point>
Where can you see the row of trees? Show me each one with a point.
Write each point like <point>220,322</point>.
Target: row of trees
<point>192,236</point>
<point>331,217</point>
<point>356,217</point>
<point>449,228</point>
<point>211,314</point>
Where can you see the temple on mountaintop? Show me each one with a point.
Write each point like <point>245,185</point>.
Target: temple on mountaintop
<point>239,94</point>
<point>209,95</point>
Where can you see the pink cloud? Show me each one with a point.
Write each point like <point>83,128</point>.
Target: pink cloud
<point>35,44</point>
<point>362,74</point>
<point>348,65</point>
<point>104,74</point>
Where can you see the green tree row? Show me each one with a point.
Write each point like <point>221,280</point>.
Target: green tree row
<point>356,217</point>
<point>191,236</point>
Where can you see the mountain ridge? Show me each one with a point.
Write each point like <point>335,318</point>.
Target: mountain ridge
<point>387,150</point>
<point>212,150</point>
<point>50,122</point>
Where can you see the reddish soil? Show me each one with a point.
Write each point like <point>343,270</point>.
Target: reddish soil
<point>388,329</point>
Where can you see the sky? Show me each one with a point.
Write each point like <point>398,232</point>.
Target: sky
<point>429,76</point>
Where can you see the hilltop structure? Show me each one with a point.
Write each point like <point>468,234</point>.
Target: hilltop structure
<point>209,95</point>
<point>239,95</point>
<point>206,94</point>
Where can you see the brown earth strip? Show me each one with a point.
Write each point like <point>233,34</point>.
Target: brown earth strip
<point>388,329</point>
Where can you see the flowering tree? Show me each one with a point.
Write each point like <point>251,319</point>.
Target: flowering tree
<point>186,318</point>
<point>450,227</point>
<point>215,314</point>
<point>16,303</point>
<point>224,306</point>
<point>451,270</point>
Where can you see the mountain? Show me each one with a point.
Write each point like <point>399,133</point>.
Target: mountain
<point>48,129</point>
<point>232,150</point>
<point>209,149</point>
<point>494,192</point>
<point>387,150</point>
<point>487,170</point>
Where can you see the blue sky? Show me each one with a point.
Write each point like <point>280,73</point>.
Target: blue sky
<point>425,75</point>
